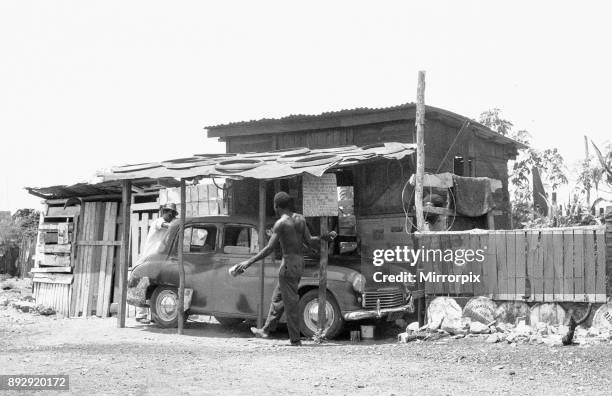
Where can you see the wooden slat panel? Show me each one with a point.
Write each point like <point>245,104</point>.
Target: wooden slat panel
<point>532,251</point>
<point>589,265</point>
<point>103,259</point>
<point>112,223</point>
<point>511,263</point>
<point>568,265</point>
<point>557,254</point>
<point>55,260</point>
<point>427,265</point>
<point>477,267</point>
<point>521,264</point>
<point>490,268</point>
<point>53,227</point>
<point>53,278</point>
<point>600,267</point>
<point>549,266</point>
<point>66,248</point>
<point>579,265</point>
<point>502,266</point>
<point>538,278</point>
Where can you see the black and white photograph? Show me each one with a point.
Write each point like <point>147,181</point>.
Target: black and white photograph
<point>305,198</point>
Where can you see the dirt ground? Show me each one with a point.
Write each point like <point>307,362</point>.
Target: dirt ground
<point>209,359</point>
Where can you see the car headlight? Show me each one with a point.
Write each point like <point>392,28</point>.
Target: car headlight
<point>359,283</point>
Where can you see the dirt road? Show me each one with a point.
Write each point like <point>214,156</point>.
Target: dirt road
<point>209,359</point>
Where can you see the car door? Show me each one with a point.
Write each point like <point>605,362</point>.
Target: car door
<point>200,248</point>
<point>239,296</point>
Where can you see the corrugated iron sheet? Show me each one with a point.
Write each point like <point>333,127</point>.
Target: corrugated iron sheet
<point>266,165</point>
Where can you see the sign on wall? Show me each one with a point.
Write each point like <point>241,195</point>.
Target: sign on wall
<point>320,195</point>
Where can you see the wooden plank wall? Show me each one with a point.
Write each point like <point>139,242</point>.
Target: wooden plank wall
<point>53,290</point>
<point>545,265</point>
<point>96,256</point>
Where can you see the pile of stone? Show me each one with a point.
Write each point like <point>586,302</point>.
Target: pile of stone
<point>12,296</point>
<point>510,323</point>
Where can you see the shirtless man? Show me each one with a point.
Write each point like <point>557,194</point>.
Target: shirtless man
<point>290,231</point>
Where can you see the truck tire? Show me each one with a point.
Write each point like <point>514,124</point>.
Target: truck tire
<point>309,307</point>
<point>164,302</point>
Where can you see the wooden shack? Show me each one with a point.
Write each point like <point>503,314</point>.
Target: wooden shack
<point>453,143</point>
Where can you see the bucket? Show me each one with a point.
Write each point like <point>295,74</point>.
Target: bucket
<point>367,332</point>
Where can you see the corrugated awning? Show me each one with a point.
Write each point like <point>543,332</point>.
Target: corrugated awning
<point>263,165</point>
<point>95,189</point>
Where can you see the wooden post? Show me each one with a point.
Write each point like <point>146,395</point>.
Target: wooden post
<point>262,238</point>
<point>124,257</point>
<point>586,157</point>
<point>181,266</point>
<point>322,276</point>
<point>490,220</point>
<point>420,138</point>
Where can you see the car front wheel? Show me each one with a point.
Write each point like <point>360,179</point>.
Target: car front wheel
<point>309,315</point>
<point>164,303</point>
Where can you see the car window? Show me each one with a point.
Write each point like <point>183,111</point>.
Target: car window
<point>240,239</point>
<point>199,238</point>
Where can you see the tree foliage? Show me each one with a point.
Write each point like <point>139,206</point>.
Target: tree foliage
<point>549,162</point>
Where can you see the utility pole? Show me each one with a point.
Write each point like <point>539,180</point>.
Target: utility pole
<point>181,265</point>
<point>420,141</point>
<point>586,158</point>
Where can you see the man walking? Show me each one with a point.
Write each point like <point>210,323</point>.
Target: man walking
<point>155,238</point>
<point>290,231</point>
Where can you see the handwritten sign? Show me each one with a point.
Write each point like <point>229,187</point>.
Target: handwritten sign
<point>320,195</point>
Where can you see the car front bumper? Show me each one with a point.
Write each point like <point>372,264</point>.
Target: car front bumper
<point>377,313</point>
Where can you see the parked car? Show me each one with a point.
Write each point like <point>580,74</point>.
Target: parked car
<point>213,244</point>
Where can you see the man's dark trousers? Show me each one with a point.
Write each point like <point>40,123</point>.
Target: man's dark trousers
<point>285,297</point>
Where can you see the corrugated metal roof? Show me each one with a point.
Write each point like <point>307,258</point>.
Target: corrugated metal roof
<point>260,165</point>
<point>298,122</point>
<point>84,190</point>
<point>327,114</point>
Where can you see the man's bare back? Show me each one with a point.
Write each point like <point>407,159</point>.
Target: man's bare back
<point>290,231</point>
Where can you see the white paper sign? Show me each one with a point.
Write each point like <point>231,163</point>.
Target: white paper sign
<point>320,195</point>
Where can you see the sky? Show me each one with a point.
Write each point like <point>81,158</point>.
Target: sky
<point>85,85</point>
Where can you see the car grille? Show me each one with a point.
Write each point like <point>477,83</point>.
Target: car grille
<point>388,299</point>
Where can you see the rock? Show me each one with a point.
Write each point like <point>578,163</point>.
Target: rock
<point>414,326</point>
<point>552,340</point>
<point>510,338</point>
<point>454,327</point>
<point>549,313</point>
<point>4,301</point>
<point>458,336</point>
<point>603,317</point>
<point>28,298</point>
<point>541,328</point>
<point>479,328</point>
<point>480,309</point>
<point>45,311</point>
<point>509,311</point>
<point>523,330</point>
<point>441,309</point>
<point>500,367</point>
<point>492,339</point>
<point>593,332</point>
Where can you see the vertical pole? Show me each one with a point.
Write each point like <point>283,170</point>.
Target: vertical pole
<point>586,158</point>
<point>322,277</point>
<point>181,266</point>
<point>126,199</point>
<point>262,238</point>
<point>490,220</point>
<point>420,138</point>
